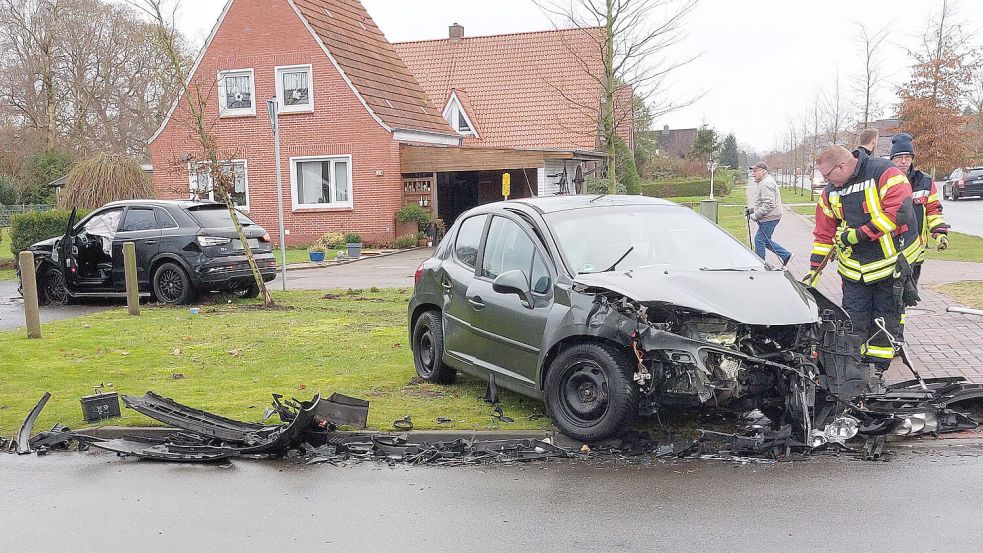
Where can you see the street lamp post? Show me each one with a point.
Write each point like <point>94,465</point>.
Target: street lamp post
<point>273,109</point>
<point>711,166</point>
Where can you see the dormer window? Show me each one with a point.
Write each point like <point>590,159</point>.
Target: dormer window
<point>457,118</point>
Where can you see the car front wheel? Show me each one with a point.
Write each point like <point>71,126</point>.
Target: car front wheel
<point>589,394</point>
<point>172,285</point>
<point>52,288</point>
<point>428,349</point>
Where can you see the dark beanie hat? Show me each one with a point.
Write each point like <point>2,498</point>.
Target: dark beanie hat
<point>901,144</point>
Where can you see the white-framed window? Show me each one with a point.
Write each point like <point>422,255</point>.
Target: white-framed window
<point>295,88</point>
<point>236,93</point>
<point>201,187</point>
<point>457,118</point>
<point>321,181</point>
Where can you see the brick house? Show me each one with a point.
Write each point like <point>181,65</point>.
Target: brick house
<point>360,137</point>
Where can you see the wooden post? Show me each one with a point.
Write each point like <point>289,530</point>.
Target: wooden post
<point>29,284</point>
<point>130,272</point>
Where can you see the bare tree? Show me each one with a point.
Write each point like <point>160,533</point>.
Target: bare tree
<point>632,39</point>
<point>190,110</point>
<point>835,111</point>
<point>868,82</point>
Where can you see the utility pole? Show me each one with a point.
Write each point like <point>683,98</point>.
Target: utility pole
<point>273,109</point>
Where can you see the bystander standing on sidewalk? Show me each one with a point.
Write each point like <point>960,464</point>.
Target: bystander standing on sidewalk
<point>868,141</point>
<point>766,210</point>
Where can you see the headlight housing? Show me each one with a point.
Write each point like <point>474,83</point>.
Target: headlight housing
<point>841,429</point>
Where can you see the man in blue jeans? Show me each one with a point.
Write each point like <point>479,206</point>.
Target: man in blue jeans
<point>766,210</point>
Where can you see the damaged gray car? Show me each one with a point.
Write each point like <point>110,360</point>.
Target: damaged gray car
<point>613,307</point>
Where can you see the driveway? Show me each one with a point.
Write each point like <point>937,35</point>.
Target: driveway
<point>391,271</point>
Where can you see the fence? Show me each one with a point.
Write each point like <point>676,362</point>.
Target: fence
<point>7,210</point>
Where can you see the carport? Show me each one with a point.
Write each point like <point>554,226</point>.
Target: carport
<point>450,180</point>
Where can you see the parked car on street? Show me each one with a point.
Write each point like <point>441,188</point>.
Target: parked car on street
<point>608,307</point>
<point>182,248</point>
<point>963,182</point>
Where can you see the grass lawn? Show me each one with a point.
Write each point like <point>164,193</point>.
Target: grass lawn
<point>968,292</point>
<point>7,262</point>
<point>299,255</point>
<point>232,356</point>
<point>730,212</point>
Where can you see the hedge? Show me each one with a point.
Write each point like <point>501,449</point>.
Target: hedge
<point>684,187</point>
<point>35,226</point>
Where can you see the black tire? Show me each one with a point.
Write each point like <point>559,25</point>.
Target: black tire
<point>172,286</point>
<point>51,288</point>
<point>589,393</point>
<point>249,291</point>
<point>954,194</point>
<point>428,349</point>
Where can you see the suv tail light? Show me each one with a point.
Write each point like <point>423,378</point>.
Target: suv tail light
<point>206,241</point>
<point>266,238</point>
<point>419,273</point>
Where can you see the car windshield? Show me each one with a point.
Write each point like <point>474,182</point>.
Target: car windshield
<point>594,239</point>
<point>216,216</point>
<point>973,173</point>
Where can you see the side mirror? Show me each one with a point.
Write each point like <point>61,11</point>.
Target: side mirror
<point>514,282</point>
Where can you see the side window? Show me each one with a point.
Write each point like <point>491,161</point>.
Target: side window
<point>507,248</point>
<point>139,219</point>
<point>468,238</point>
<point>165,220</point>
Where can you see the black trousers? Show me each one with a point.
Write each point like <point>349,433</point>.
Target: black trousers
<point>866,302</point>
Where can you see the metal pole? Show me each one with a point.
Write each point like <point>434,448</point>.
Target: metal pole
<point>29,285</point>
<point>271,106</point>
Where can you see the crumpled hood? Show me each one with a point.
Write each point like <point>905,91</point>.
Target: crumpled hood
<point>45,245</point>
<point>749,297</point>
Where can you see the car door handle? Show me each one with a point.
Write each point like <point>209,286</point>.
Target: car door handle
<point>150,242</point>
<point>476,303</point>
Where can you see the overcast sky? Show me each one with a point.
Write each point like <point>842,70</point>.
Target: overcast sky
<point>762,61</point>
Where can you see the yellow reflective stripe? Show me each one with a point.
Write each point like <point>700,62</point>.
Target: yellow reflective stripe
<point>850,274</point>
<point>848,261</point>
<point>878,351</point>
<point>876,214</point>
<point>933,197</point>
<point>821,249</point>
<point>887,246</point>
<point>891,182</point>
<point>935,220</point>
<point>903,317</point>
<point>878,275</point>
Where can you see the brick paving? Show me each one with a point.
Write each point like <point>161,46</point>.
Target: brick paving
<point>941,343</point>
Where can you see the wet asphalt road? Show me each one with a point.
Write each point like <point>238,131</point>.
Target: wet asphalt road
<point>12,308</point>
<point>965,216</point>
<point>925,500</point>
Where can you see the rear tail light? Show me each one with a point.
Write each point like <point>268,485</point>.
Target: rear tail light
<point>206,241</point>
<point>265,238</point>
<point>419,273</point>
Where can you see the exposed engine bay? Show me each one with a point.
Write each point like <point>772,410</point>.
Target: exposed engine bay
<point>807,378</point>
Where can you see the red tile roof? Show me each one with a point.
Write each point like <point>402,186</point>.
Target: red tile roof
<point>372,65</point>
<point>525,90</point>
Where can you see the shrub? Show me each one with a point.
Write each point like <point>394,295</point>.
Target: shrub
<point>413,212</point>
<point>599,185</point>
<point>684,187</point>
<point>627,172</point>
<point>405,241</point>
<point>317,248</point>
<point>105,178</point>
<point>38,171</point>
<point>333,240</point>
<point>353,238</point>
<point>35,226</point>
<point>9,195</point>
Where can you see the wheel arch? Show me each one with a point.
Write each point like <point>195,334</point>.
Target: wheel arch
<point>417,312</point>
<point>573,340</point>
<point>168,257</point>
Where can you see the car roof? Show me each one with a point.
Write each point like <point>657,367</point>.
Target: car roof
<point>163,203</point>
<point>550,204</point>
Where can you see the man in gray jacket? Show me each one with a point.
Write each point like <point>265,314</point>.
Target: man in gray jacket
<point>766,210</point>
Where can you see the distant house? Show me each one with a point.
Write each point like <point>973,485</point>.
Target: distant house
<point>367,127</point>
<point>674,143</point>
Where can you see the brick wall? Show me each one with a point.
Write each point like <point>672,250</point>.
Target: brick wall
<point>263,34</point>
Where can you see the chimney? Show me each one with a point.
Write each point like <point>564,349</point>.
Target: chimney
<point>456,31</point>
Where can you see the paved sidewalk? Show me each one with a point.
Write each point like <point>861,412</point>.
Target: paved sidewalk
<point>942,343</point>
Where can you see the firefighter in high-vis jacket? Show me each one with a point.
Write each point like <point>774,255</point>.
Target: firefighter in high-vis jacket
<point>864,213</point>
<point>929,221</point>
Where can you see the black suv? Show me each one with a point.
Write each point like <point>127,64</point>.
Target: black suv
<point>962,183</point>
<point>182,247</point>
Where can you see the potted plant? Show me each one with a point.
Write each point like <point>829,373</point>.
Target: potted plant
<point>353,241</point>
<point>316,253</point>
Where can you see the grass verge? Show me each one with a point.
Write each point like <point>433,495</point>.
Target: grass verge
<point>967,292</point>
<point>7,261</point>
<point>231,356</point>
<point>299,255</point>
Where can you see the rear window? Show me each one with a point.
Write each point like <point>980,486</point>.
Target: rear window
<point>216,216</point>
